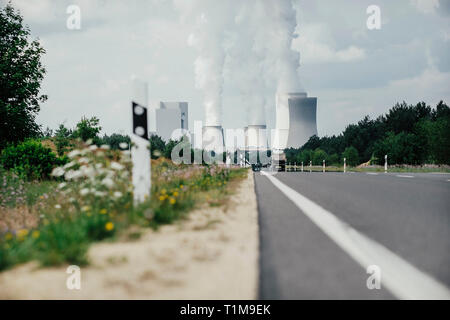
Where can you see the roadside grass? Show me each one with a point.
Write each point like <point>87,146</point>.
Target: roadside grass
<point>90,200</point>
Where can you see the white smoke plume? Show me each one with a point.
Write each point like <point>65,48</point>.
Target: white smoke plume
<point>211,20</point>
<point>255,37</point>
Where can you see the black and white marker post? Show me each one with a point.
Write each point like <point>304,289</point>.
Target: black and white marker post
<point>140,150</point>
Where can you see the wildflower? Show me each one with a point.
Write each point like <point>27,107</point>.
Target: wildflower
<point>84,191</point>
<point>181,186</point>
<point>72,174</point>
<point>108,182</point>
<point>62,185</point>
<point>163,191</point>
<point>89,142</point>
<point>85,208</point>
<point>161,198</point>
<point>109,226</point>
<point>8,236</point>
<point>175,194</point>
<point>123,145</point>
<point>74,153</point>
<point>103,211</point>
<point>57,206</point>
<point>93,147</point>
<point>117,194</point>
<point>98,165</point>
<point>83,160</point>
<point>22,233</point>
<point>100,193</point>
<point>36,234</point>
<point>116,166</point>
<point>105,146</point>
<point>172,200</point>
<point>69,165</point>
<point>58,172</point>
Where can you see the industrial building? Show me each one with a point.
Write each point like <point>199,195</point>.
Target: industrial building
<point>295,120</point>
<point>169,118</point>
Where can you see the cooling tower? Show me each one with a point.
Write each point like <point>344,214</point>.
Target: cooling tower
<point>256,138</point>
<point>213,139</point>
<point>295,120</point>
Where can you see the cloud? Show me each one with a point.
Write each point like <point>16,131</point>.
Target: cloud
<point>425,6</point>
<point>314,46</point>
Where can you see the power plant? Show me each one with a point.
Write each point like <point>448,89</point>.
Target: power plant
<point>171,120</point>
<point>296,115</point>
<point>213,138</point>
<point>295,120</point>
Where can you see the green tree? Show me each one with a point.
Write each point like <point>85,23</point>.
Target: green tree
<point>87,128</point>
<point>21,73</point>
<point>402,148</point>
<point>158,146</point>
<point>318,157</point>
<point>62,139</point>
<point>351,156</point>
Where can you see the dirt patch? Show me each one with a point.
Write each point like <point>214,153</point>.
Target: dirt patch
<point>213,254</point>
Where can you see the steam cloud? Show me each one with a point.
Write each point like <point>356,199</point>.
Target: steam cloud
<point>254,39</point>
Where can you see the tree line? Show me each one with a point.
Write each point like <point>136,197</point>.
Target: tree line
<point>408,134</point>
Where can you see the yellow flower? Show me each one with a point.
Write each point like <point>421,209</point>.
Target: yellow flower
<point>161,198</point>
<point>175,194</point>
<point>36,234</point>
<point>181,186</point>
<point>21,234</point>
<point>109,226</point>
<point>172,200</point>
<point>85,208</point>
<point>8,236</point>
<point>163,191</point>
<point>103,211</point>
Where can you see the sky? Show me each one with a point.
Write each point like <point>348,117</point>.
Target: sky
<point>352,70</point>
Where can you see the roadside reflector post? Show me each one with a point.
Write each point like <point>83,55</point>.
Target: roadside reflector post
<point>385,163</point>
<point>140,149</point>
<point>345,165</point>
<point>310,166</point>
<point>323,165</point>
<point>302,166</point>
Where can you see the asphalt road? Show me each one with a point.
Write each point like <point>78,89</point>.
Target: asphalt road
<point>409,214</point>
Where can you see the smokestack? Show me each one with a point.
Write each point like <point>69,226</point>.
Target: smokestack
<point>213,139</point>
<point>295,120</point>
<point>256,138</point>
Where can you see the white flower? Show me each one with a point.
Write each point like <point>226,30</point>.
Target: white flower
<point>89,142</point>
<point>105,146</point>
<point>83,160</point>
<point>93,147</point>
<point>116,166</point>
<point>123,145</point>
<point>74,153</point>
<point>62,185</point>
<point>100,193</point>
<point>57,206</point>
<point>70,164</point>
<point>98,165</point>
<point>117,194</point>
<point>108,182</point>
<point>87,171</point>
<point>58,172</point>
<point>84,191</point>
<point>72,174</point>
<point>72,199</point>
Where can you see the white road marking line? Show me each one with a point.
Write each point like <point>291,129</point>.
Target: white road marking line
<point>372,173</point>
<point>401,278</point>
<point>404,176</point>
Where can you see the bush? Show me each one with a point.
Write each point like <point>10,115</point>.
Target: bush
<point>351,155</point>
<point>30,160</point>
